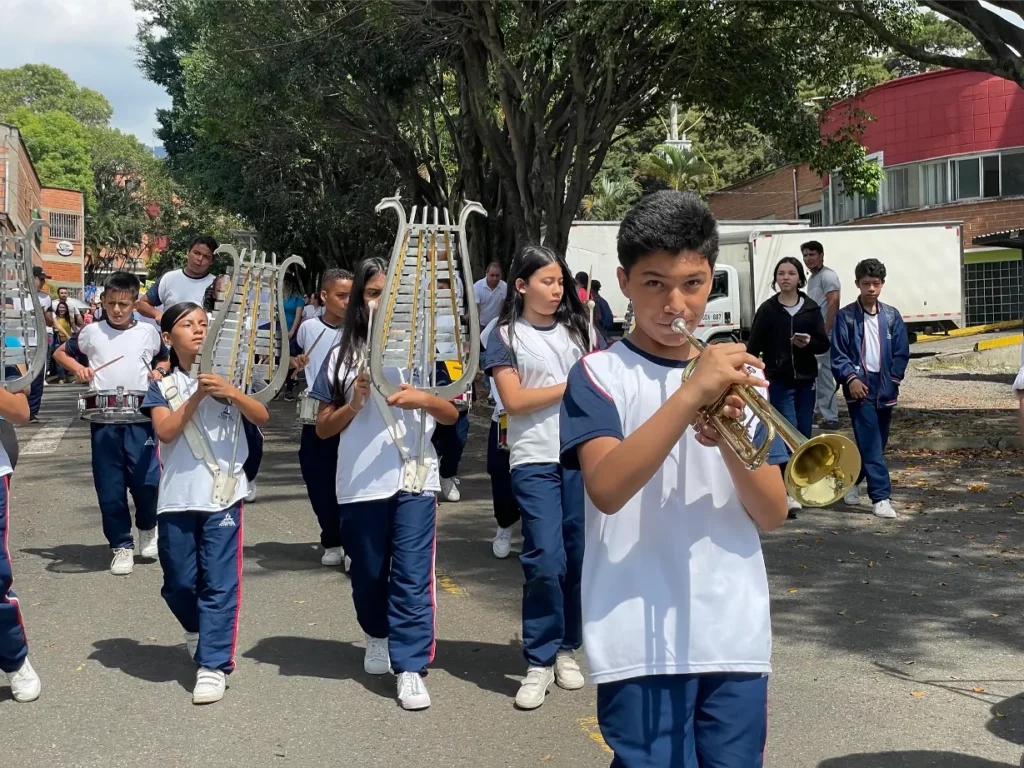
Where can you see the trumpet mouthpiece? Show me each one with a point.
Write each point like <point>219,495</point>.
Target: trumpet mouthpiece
<point>679,326</point>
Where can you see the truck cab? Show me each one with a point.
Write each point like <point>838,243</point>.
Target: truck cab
<point>722,320</point>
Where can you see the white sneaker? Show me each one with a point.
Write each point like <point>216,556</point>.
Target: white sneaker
<point>852,496</point>
<point>567,671</point>
<point>792,505</point>
<point>210,685</point>
<point>883,509</point>
<point>376,660</point>
<point>412,692</point>
<point>502,543</point>
<point>348,563</point>
<point>333,556</point>
<point>148,541</point>
<point>534,687</point>
<point>450,489</point>
<point>251,495</point>
<point>123,562</point>
<point>191,643</point>
<point>25,683</point>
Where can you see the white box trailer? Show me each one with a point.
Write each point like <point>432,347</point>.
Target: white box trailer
<point>923,262</point>
<point>592,249</point>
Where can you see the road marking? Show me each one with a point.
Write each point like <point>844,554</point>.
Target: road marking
<point>46,439</point>
<point>591,728</point>
<point>445,582</point>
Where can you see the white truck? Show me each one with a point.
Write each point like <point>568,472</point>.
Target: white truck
<point>923,263</point>
<point>592,250</point>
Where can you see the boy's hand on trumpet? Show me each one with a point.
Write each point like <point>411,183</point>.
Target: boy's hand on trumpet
<point>719,367</point>
<point>707,435</point>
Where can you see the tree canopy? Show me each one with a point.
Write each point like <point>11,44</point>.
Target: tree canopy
<point>42,88</point>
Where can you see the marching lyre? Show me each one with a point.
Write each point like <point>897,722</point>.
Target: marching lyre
<point>422,319</point>
<point>22,320</point>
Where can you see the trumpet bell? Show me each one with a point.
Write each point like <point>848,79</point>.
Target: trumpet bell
<point>822,469</point>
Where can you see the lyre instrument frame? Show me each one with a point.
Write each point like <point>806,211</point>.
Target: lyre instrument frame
<point>17,282</point>
<point>820,470</point>
<point>249,277</point>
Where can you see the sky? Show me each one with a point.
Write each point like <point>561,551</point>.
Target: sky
<point>92,41</point>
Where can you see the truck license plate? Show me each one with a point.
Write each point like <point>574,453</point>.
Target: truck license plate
<point>713,318</point>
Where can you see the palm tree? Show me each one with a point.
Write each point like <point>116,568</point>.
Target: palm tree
<point>610,199</point>
<point>680,169</point>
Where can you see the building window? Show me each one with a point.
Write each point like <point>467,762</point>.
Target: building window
<point>902,188</point>
<point>934,183</point>
<point>65,226</point>
<point>812,213</point>
<point>1013,174</point>
<point>992,292</point>
<point>975,177</point>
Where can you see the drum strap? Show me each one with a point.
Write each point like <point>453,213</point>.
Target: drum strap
<point>223,482</point>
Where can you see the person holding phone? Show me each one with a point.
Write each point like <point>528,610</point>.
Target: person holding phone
<point>787,332</point>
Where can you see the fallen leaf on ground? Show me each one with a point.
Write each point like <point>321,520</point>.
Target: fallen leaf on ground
<point>917,694</point>
<point>801,565</point>
<point>976,487</point>
<point>861,621</point>
<point>978,689</point>
<point>842,612</point>
<point>792,589</point>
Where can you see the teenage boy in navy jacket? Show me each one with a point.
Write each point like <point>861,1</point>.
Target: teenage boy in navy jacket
<point>869,357</point>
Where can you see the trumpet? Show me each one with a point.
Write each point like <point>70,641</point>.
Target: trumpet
<point>821,469</point>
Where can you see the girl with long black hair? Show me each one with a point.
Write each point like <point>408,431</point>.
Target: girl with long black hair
<point>199,511</point>
<point>387,531</point>
<point>541,334</point>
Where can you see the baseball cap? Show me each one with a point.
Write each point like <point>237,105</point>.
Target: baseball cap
<point>38,272</point>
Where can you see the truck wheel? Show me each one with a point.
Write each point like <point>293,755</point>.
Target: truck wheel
<point>723,338</point>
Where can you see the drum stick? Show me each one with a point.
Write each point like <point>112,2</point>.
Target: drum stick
<point>369,330</point>
<point>97,370</point>
<point>316,341</point>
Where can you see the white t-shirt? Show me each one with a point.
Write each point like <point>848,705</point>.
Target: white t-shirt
<point>795,308</point>
<point>543,357</point>
<point>820,284</point>
<point>673,583</point>
<point>45,303</point>
<point>369,464</point>
<point>490,301</point>
<point>485,334</point>
<point>175,287</point>
<point>186,483</point>
<point>872,344</point>
<point>308,334</point>
<point>136,346</point>
<point>311,310</point>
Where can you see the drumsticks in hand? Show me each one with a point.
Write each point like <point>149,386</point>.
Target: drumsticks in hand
<point>97,370</point>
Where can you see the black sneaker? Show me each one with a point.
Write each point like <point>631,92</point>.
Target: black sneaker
<point>829,425</point>
<point>289,397</point>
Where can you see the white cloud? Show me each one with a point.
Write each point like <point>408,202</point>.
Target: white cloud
<point>91,40</point>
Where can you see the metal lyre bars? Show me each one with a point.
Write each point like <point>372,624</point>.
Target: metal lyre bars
<point>247,342</point>
<point>22,321</point>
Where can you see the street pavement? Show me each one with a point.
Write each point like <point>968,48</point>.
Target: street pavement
<point>897,645</point>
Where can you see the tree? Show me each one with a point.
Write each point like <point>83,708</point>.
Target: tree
<point>610,199</point>
<point>59,147</point>
<point>42,88</point>
<point>677,168</point>
<point>1000,41</point>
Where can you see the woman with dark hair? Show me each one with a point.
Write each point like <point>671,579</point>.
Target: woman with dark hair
<point>787,332</point>
<point>387,531</point>
<point>201,500</point>
<point>62,331</point>
<point>541,333</point>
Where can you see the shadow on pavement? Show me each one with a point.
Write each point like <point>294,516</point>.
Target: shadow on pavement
<point>486,665</point>
<point>285,556</point>
<point>152,663</point>
<point>916,759</point>
<point>75,558</point>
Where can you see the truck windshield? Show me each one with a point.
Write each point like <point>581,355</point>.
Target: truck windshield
<point>719,286</point>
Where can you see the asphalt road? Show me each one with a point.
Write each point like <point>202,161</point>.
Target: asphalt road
<point>876,664</point>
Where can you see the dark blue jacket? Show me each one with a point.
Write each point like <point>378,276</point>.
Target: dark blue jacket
<point>848,350</point>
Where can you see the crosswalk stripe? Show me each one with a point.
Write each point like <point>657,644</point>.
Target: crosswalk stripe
<point>46,439</point>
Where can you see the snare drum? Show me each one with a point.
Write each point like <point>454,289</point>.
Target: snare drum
<point>306,409</point>
<point>112,406</point>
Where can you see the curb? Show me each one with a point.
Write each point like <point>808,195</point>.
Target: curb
<point>1005,341</point>
<point>972,330</point>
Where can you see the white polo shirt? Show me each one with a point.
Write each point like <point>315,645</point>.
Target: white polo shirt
<point>674,582</point>
<point>369,464</point>
<point>490,300</point>
<point>175,287</point>
<point>134,348</point>
<point>542,357</point>
<point>312,329</point>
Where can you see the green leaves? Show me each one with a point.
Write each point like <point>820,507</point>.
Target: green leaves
<point>59,146</point>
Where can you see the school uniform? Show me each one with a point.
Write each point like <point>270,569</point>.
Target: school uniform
<point>550,496</point>
<point>506,510</point>
<point>318,458</point>
<point>874,349</point>
<point>176,286</point>
<point>200,541</point>
<point>124,456</point>
<point>676,624</point>
<point>389,533</point>
<point>449,440</point>
<point>13,644</point>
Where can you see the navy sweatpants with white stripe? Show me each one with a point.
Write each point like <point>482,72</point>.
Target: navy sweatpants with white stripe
<point>551,502</point>
<point>201,557</point>
<point>13,647</point>
<point>713,720</point>
<point>391,543</point>
<point>124,459</point>
<point>318,460</point>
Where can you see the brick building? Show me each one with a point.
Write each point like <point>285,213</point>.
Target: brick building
<point>951,144</point>
<point>23,198</point>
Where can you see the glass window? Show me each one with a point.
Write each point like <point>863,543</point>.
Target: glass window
<point>1013,174</point>
<point>719,286</point>
<point>868,205</point>
<point>990,176</point>
<point>934,189</point>
<point>966,178</point>
<point>902,188</point>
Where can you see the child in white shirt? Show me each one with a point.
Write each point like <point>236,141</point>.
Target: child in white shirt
<point>676,621</point>
<point>202,490</point>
